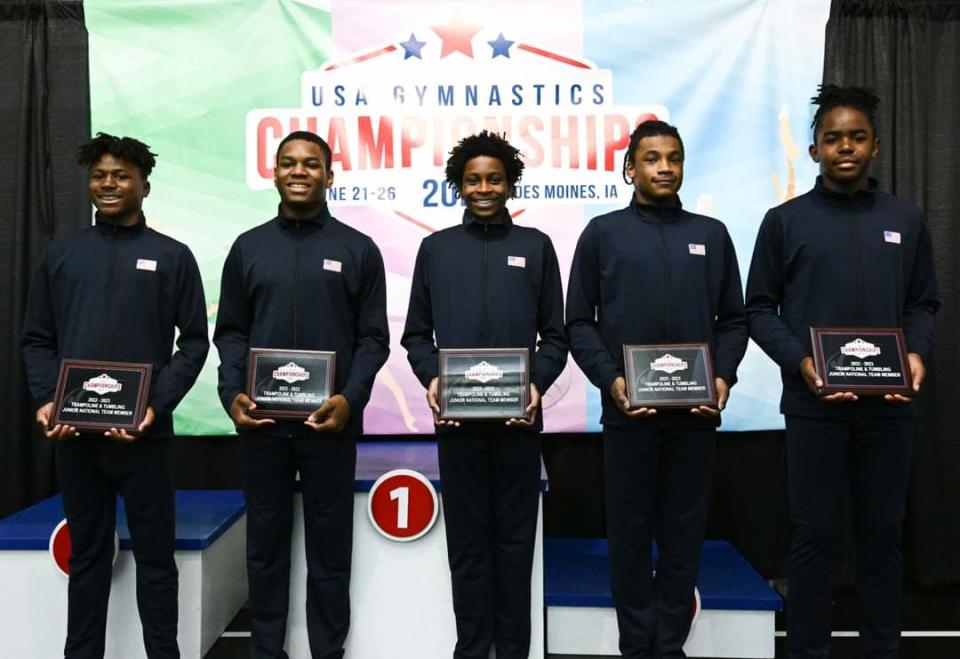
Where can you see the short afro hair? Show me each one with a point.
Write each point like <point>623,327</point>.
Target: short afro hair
<point>649,128</point>
<point>307,136</point>
<point>829,97</point>
<point>487,144</point>
<point>128,149</point>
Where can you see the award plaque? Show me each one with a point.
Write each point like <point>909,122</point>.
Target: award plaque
<point>289,384</point>
<point>94,395</point>
<point>669,375</point>
<point>864,361</point>
<point>484,384</point>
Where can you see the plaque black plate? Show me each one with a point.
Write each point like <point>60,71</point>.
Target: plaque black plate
<point>484,384</point>
<point>289,384</point>
<point>669,375</point>
<point>864,361</point>
<point>95,395</point>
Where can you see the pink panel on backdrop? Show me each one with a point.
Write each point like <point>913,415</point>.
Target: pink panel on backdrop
<point>366,30</point>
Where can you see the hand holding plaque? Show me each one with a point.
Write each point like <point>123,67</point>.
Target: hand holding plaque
<point>918,373</point>
<point>533,408</point>
<point>51,431</point>
<point>851,362</point>
<point>618,391</point>
<point>483,384</point>
<point>722,394</point>
<point>126,436</point>
<point>332,416</point>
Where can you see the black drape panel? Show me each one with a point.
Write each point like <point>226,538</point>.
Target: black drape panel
<point>748,507</point>
<point>44,116</point>
<point>909,52</point>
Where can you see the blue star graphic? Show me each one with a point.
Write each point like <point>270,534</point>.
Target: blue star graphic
<point>501,46</point>
<point>412,47</point>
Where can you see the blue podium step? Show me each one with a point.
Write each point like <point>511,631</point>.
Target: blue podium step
<point>209,541</point>
<point>736,620</point>
<point>202,517</point>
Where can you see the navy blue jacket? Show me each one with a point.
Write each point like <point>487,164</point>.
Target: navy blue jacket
<point>314,284</point>
<point>116,293</point>
<point>825,259</point>
<point>649,274</point>
<point>467,292</point>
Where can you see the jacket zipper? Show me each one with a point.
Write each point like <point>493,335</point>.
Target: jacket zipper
<point>858,250</point>
<point>296,288</point>
<point>486,283</point>
<point>666,283</point>
<point>111,275</point>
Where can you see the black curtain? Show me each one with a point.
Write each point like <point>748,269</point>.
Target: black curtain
<point>909,52</point>
<point>44,116</point>
<point>748,507</point>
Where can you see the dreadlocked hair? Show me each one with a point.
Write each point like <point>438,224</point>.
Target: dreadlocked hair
<point>129,149</point>
<point>829,97</point>
<point>649,128</point>
<point>487,144</point>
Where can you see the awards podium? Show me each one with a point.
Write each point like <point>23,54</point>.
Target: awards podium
<point>400,593</point>
<point>400,590</point>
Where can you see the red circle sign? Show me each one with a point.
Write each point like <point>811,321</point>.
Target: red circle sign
<point>402,505</point>
<point>696,607</point>
<point>61,547</point>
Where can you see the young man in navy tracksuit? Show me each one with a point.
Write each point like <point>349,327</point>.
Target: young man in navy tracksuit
<point>843,255</point>
<point>655,273</point>
<point>488,283</point>
<point>302,281</point>
<point>117,291</point>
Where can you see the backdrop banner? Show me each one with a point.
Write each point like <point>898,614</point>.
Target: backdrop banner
<point>392,86</point>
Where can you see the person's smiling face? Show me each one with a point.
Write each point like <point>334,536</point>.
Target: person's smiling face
<point>302,178</point>
<point>484,187</point>
<point>117,189</point>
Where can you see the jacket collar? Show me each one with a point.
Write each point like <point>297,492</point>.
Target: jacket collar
<point>858,198</point>
<point>500,226</point>
<point>653,213</point>
<point>317,221</point>
<point>106,228</point>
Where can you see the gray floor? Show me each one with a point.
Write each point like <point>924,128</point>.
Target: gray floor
<point>930,612</point>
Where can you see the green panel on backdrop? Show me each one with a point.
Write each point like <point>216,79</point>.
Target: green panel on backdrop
<point>181,76</point>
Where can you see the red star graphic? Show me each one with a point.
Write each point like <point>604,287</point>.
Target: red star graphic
<point>456,36</point>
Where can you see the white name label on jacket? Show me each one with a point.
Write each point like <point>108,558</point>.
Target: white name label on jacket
<point>332,266</point>
<point>147,264</point>
<point>699,250</point>
<point>517,261</point>
<point>892,237</point>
